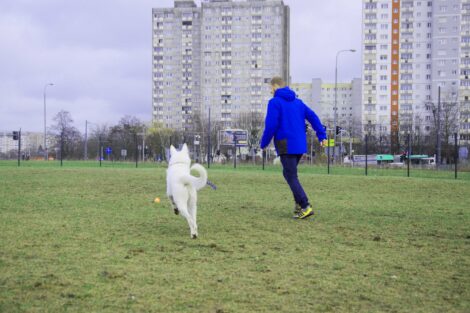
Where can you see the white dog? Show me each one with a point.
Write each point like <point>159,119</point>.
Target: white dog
<point>182,187</point>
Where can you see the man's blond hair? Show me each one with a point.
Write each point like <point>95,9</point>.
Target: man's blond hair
<point>278,81</point>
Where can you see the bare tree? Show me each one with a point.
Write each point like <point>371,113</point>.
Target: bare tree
<point>252,122</point>
<point>124,135</point>
<point>67,137</point>
<point>160,138</point>
<point>449,124</point>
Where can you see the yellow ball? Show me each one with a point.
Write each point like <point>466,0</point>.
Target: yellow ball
<point>157,200</point>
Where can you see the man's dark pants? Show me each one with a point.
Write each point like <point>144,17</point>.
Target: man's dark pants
<point>289,164</point>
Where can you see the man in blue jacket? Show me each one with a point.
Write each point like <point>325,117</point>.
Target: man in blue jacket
<point>285,121</point>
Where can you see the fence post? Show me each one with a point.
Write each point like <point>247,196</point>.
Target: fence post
<point>328,147</point>
<point>367,140</point>
<point>19,147</point>
<point>456,154</point>
<point>264,157</point>
<point>409,155</point>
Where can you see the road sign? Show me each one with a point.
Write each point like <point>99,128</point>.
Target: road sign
<point>123,152</point>
<point>108,150</point>
<point>229,136</point>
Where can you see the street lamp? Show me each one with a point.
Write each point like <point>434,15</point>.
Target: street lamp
<point>335,115</point>
<point>46,154</point>
<point>85,155</point>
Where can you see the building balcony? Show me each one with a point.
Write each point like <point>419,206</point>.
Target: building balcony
<point>227,13</point>
<point>406,9</point>
<point>370,31</point>
<point>406,81</point>
<point>370,51</point>
<point>370,10</point>
<point>226,111</point>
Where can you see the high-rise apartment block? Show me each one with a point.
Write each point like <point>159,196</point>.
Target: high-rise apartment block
<point>411,49</point>
<point>218,56</point>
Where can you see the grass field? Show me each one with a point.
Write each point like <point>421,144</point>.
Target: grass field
<point>87,239</point>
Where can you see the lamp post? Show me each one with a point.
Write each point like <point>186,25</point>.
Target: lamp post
<point>85,155</point>
<point>335,115</point>
<point>46,154</point>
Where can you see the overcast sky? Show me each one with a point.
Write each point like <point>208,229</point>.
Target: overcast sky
<point>98,55</point>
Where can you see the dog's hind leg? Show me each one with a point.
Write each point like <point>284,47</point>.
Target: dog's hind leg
<point>183,209</point>
<point>192,208</point>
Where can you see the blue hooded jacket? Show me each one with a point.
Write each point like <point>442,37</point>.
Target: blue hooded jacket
<point>285,121</point>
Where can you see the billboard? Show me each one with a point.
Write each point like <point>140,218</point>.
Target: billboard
<point>227,137</point>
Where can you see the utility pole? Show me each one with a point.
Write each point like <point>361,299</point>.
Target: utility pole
<point>209,141</point>
<point>85,156</point>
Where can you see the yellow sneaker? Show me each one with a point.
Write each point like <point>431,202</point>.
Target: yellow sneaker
<point>304,213</point>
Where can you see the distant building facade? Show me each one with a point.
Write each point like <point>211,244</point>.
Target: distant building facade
<point>31,143</point>
<point>320,96</point>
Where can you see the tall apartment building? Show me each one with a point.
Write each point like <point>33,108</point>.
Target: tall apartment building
<point>410,49</point>
<point>218,56</point>
<point>176,64</point>
<point>464,92</point>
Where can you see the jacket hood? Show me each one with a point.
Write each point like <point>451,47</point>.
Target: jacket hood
<point>285,93</point>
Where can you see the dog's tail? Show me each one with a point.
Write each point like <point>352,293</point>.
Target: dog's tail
<point>196,182</point>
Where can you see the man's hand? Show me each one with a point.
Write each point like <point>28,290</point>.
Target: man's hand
<point>324,143</point>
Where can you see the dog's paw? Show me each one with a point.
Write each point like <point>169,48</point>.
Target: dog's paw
<point>176,211</point>
<point>194,236</point>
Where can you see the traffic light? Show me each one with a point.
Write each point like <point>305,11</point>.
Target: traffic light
<point>338,130</point>
<point>16,135</point>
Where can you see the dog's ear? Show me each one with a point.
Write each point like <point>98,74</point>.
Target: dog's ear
<point>185,148</point>
<point>172,150</point>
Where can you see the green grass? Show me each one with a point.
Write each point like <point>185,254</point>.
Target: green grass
<point>88,239</point>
